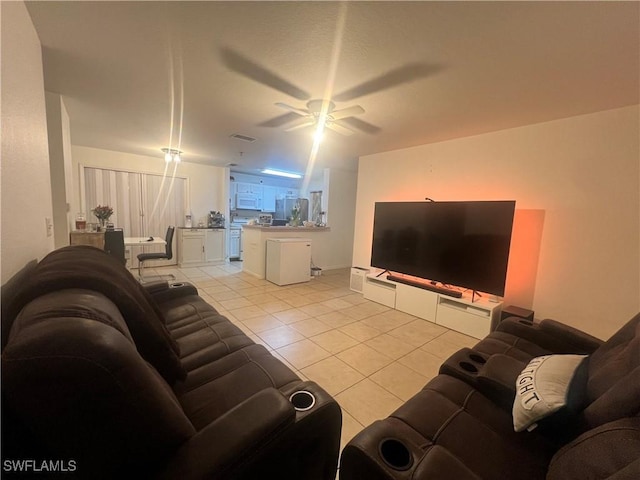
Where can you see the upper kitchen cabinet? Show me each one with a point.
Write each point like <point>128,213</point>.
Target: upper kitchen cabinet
<point>269,198</point>
<point>248,196</point>
<point>282,192</point>
<point>251,188</point>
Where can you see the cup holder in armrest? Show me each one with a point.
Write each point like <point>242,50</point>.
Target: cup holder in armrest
<point>395,454</point>
<point>477,358</point>
<point>302,400</point>
<point>468,367</point>
<point>465,365</point>
<point>176,285</point>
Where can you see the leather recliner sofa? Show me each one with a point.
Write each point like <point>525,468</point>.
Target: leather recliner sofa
<point>462,424</point>
<point>111,379</point>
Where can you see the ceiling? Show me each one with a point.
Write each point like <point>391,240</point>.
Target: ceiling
<point>139,76</point>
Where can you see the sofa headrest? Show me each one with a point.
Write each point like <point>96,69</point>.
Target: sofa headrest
<point>613,385</point>
<point>71,303</point>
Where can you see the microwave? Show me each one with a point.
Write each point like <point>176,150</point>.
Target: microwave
<point>265,219</point>
<point>247,201</point>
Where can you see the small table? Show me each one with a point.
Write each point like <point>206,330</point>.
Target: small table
<point>81,237</point>
<point>142,241</point>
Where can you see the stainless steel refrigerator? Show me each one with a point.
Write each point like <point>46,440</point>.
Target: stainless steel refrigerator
<point>285,205</point>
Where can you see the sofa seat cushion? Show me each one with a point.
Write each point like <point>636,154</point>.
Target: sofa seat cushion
<point>509,344</point>
<point>202,334</point>
<point>214,388</point>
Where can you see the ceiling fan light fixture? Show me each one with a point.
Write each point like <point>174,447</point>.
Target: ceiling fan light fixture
<point>280,173</point>
<point>171,154</point>
<point>318,133</point>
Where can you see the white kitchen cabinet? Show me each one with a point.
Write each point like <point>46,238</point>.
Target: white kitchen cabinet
<point>190,246</point>
<point>200,246</point>
<point>242,187</point>
<point>214,245</point>
<point>254,188</point>
<point>269,198</point>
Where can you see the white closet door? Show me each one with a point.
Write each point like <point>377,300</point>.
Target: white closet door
<point>164,200</point>
<point>143,204</point>
<point>164,203</point>
<point>121,191</point>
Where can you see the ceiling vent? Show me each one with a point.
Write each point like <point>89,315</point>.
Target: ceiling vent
<point>244,138</point>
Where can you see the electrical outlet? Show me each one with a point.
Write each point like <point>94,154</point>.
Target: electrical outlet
<point>48,222</point>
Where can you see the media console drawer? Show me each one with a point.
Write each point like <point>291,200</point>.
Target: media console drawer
<point>462,317</point>
<point>417,302</point>
<point>380,291</point>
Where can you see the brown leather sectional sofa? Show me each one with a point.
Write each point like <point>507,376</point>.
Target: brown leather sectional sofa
<point>105,378</point>
<point>461,425</point>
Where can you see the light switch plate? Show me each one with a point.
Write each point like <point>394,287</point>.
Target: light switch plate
<point>49,225</point>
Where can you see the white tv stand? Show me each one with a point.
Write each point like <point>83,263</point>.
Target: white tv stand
<point>473,318</point>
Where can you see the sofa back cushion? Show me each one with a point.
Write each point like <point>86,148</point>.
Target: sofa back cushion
<point>613,385</point>
<point>82,266</point>
<point>73,376</point>
<point>609,451</point>
<point>10,308</point>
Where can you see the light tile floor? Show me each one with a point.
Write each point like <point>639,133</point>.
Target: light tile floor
<point>369,357</point>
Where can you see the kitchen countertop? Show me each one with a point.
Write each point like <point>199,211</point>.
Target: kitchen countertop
<point>284,229</point>
<point>201,228</point>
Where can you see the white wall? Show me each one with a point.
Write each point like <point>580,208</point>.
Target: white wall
<point>60,164</point>
<point>24,172</point>
<point>339,196</point>
<point>207,184</point>
<point>582,172</point>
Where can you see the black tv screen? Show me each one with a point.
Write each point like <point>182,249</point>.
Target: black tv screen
<point>464,244</point>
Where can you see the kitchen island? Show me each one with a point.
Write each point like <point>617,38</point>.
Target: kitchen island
<point>255,240</point>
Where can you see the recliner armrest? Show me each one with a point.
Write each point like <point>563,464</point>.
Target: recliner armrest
<point>161,291</point>
<point>233,438</point>
<point>497,379</point>
<point>551,335</point>
<point>156,287</point>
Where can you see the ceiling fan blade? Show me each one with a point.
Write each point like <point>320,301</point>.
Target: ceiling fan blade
<point>242,65</point>
<point>306,122</point>
<point>361,125</point>
<point>280,120</point>
<point>347,112</point>
<point>336,127</point>
<point>299,111</point>
<point>395,77</point>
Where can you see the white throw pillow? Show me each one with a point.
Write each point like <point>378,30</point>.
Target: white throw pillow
<point>544,387</point>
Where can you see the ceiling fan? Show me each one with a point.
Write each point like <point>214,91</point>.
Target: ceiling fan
<point>347,116</point>
<point>312,115</point>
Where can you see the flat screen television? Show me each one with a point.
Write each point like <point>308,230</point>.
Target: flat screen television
<point>463,244</point>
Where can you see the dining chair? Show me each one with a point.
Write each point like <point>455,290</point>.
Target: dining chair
<point>114,244</point>
<point>167,255</point>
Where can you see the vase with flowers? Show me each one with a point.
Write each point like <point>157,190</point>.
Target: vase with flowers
<point>295,216</point>
<point>103,213</point>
